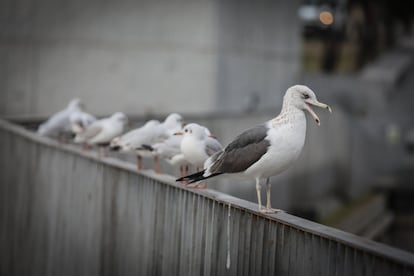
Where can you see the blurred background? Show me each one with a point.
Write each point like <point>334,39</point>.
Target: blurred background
<point>227,64</point>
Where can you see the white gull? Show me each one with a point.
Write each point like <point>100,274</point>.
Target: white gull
<point>269,148</point>
<point>198,144</point>
<point>132,141</point>
<point>59,123</point>
<point>80,120</point>
<point>102,131</point>
<point>139,140</point>
<point>172,123</point>
<point>170,151</point>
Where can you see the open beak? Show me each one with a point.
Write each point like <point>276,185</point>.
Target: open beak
<point>212,136</point>
<point>179,133</point>
<point>318,104</point>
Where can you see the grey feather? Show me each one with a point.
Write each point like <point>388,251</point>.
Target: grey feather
<point>244,151</point>
<point>212,146</point>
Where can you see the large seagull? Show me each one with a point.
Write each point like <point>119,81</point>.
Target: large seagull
<point>267,149</point>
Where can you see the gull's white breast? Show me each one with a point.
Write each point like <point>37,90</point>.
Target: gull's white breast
<point>194,150</point>
<point>286,137</point>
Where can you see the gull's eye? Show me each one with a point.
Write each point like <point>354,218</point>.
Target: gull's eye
<point>185,130</point>
<point>305,96</point>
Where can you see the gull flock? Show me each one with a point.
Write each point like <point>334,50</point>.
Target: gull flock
<point>258,153</point>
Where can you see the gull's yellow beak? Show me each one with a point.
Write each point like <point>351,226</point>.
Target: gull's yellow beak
<point>308,105</point>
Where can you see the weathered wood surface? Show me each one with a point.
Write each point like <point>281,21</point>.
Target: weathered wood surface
<point>65,212</point>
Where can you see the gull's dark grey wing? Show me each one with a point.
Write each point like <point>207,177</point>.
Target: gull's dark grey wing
<point>242,152</point>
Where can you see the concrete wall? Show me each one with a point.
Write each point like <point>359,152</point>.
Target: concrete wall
<point>144,56</point>
<point>259,51</point>
<point>65,212</point>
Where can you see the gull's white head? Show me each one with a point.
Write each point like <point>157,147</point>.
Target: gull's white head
<point>194,130</point>
<point>76,104</point>
<point>173,121</point>
<point>120,117</point>
<point>302,97</point>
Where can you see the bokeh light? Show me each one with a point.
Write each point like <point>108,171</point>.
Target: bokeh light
<point>326,18</point>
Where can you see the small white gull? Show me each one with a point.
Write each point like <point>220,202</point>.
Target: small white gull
<point>198,144</point>
<point>102,131</point>
<point>132,141</point>
<point>80,120</point>
<point>140,140</point>
<point>170,151</point>
<point>59,123</point>
<point>269,148</point>
<point>172,123</point>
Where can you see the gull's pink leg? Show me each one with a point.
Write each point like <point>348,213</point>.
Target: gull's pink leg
<point>181,171</point>
<point>185,169</point>
<point>156,167</point>
<point>99,152</point>
<point>139,162</point>
<point>201,185</point>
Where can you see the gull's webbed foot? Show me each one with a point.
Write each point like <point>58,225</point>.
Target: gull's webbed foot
<point>270,210</point>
